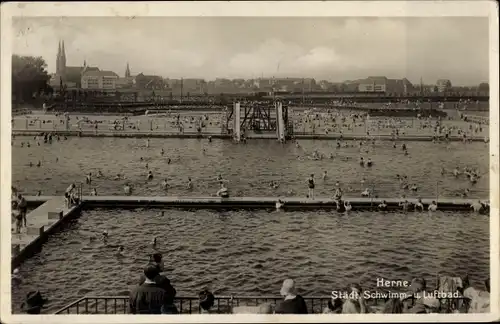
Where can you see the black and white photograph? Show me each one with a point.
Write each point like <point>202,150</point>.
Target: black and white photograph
<point>200,163</point>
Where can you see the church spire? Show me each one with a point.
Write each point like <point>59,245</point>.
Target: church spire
<point>127,71</point>
<point>58,59</point>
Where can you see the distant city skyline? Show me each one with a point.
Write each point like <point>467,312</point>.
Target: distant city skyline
<point>333,49</point>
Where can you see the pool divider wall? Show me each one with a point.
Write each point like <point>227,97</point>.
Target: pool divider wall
<point>292,203</point>
<point>297,135</point>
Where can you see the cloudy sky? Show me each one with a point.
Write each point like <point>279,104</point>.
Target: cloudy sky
<point>334,49</point>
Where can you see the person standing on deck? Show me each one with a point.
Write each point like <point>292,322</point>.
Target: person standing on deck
<point>23,208</point>
<point>310,185</point>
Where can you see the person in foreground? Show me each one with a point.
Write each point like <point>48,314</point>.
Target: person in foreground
<point>293,303</point>
<point>156,259</point>
<point>149,297</point>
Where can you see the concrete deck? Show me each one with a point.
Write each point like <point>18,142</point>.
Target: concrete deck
<point>358,203</point>
<point>162,134</point>
<point>41,222</point>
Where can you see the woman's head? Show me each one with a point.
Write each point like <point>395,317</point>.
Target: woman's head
<point>207,299</point>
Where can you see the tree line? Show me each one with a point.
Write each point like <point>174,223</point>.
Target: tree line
<point>29,79</point>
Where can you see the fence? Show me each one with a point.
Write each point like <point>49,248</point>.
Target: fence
<point>222,305</point>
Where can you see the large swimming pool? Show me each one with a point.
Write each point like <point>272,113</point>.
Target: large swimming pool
<point>250,252</point>
<point>249,167</point>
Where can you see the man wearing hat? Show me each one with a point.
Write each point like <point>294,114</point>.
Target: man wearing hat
<point>293,303</point>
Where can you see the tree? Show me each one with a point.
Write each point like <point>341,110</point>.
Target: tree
<point>29,77</point>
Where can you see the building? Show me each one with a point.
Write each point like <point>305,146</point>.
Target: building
<point>150,82</point>
<point>385,85</point>
<point>69,76</point>
<point>443,85</point>
<point>102,80</point>
<point>373,84</point>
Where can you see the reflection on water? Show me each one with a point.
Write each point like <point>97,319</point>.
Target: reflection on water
<point>248,167</point>
<point>251,252</point>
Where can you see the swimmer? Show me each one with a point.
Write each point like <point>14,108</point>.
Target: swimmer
<point>477,206</point>
<point>325,175</point>
<point>15,275</point>
<point>154,242</point>
<point>279,204</point>
<point>223,191</point>
<point>164,184</point>
<point>150,175</point>
<point>413,187</point>
<point>120,251</point>
<point>88,178</point>
<point>39,164</point>
<point>406,153</point>
<point>404,205</point>
<point>127,189</point>
<point>275,184</point>
<point>99,174</point>
<point>169,160</point>
<point>382,206</point>
<point>210,139</point>
<point>31,164</point>
<point>363,181</point>
<point>361,161</point>
<point>473,179</point>
<point>162,152</point>
<point>419,206</point>
<point>219,177</point>
<point>366,193</point>
<point>147,142</point>
<point>39,193</point>
<point>93,192</point>
<point>338,194</point>
<point>456,172</point>
<point>465,193</point>
<point>118,176</point>
<point>443,170</point>
<point>347,206</point>
<point>105,236</point>
<point>190,184</point>
<point>147,165</point>
<point>432,207</point>
<point>369,162</point>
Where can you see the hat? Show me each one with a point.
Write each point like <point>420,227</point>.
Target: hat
<point>288,287</point>
<point>34,302</point>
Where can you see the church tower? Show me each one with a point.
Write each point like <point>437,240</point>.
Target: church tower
<point>127,71</point>
<point>63,60</point>
<point>58,60</point>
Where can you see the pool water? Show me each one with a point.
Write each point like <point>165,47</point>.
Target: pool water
<point>249,168</point>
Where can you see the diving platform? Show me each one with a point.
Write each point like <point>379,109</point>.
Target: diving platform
<point>289,203</point>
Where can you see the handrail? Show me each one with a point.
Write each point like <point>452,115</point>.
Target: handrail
<point>226,307</point>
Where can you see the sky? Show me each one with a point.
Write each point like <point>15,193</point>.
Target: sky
<point>329,48</point>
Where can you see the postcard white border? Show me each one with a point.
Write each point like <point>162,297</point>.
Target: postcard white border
<point>261,8</point>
